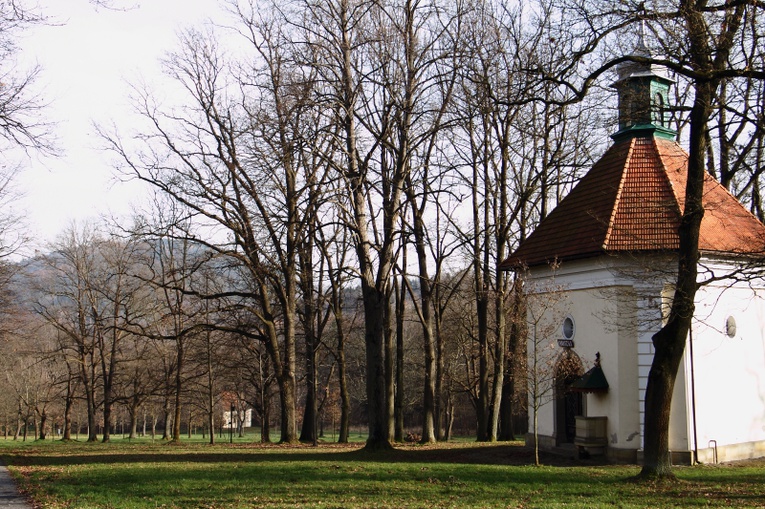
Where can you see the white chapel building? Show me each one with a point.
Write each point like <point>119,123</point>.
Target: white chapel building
<point>611,247</point>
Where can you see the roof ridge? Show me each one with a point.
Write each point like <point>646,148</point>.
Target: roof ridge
<point>745,210</point>
<point>617,198</point>
<point>680,207</point>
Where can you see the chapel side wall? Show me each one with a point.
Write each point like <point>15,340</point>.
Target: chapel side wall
<point>617,309</point>
<point>642,294</point>
<point>627,435</point>
<point>718,404</point>
<point>546,423</point>
<point>606,323</point>
<point>679,417</point>
<point>585,307</point>
<point>615,327</point>
<point>729,373</point>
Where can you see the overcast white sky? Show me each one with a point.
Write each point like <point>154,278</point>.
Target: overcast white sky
<point>88,60</point>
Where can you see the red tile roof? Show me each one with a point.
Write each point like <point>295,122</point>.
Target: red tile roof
<point>631,200</point>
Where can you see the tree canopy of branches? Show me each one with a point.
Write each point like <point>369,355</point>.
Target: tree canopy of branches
<point>360,116</point>
<point>347,167</point>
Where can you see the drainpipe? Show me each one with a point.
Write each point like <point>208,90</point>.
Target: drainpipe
<point>693,398</point>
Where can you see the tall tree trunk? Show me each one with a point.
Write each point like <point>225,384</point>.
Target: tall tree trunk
<point>168,417</point>
<point>68,405</point>
<point>43,424</point>
<point>288,405</point>
<point>284,365</point>
<point>507,406</point>
<point>210,387</point>
<point>390,368</point>
<point>86,372</point>
<point>108,374</point>
<point>481,243</point>
<point>308,432</point>
<point>335,261</point>
<point>19,419</point>
<point>669,342</point>
<point>482,401</point>
<point>449,417</point>
<point>374,268</point>
<point>515,331</point>
<point>133,414</point>
<point>107,416</point>
<point>500,349</point>
<point>308,429</point>
<point>211,422</point>
<point>426,321</point>
<point>345,397</point>
<point>265,420</point>
<point>400,291</point>
<point>178,388</point>
<point>440,375</point>
<point>374,339</point>
<point>286,376</point>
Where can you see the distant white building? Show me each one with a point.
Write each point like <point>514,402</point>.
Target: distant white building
<point>233,418</point>
<point>613,241</point>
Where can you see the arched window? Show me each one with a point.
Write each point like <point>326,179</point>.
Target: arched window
<point>658,109</point>
<point>629,112</point>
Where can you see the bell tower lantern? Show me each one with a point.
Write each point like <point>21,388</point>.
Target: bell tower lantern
<point>643,90</point>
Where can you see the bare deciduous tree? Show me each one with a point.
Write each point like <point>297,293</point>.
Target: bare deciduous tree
<point>238,170</point>
<point>545,363</point>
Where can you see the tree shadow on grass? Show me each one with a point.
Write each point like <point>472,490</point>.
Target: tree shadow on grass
<point>489,454</point>
<point>447,468</point>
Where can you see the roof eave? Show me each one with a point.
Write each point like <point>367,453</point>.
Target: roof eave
<point>644,130</point>
<point>733,255</point>
<point>518,264</point>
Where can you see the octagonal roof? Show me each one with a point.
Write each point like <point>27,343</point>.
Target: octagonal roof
<point>632,200</point>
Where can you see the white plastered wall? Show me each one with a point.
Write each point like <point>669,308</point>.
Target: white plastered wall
<point>603,304</point>
<point>727,372</point>
<point>718,403</point>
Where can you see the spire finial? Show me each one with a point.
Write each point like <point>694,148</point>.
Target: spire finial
<point>641,48</point>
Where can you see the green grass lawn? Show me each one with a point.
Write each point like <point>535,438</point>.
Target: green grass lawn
<point>142,474</point>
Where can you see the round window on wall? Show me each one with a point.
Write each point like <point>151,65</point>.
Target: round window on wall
<point>730,327</point>
<point>568,328</point>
